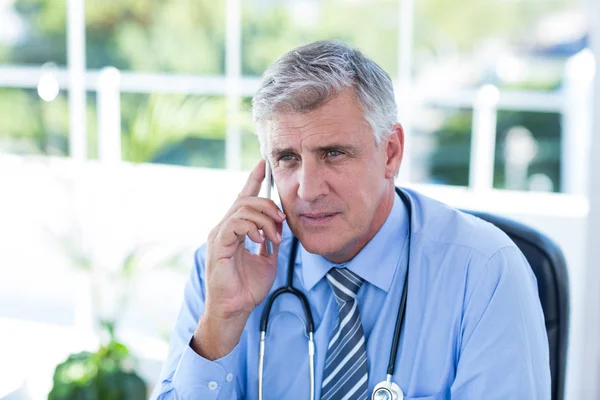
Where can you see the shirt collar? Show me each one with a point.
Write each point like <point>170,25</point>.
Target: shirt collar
<point>383,250</point>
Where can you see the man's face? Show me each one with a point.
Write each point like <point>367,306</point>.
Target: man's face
<point>333,180</point>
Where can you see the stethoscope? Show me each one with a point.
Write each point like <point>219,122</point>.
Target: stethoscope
<point>385,390</point>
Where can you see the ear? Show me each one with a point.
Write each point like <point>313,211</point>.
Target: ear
<point>394,151</point>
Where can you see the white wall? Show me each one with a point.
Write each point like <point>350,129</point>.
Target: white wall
<point>173,208</point>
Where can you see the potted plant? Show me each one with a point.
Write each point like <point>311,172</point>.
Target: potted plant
<point>110,372</point>
<point>107,374</point>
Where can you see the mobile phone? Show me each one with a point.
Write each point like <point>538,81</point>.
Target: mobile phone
<point>269,182</point>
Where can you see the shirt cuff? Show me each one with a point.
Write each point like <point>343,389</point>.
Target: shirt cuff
<point>197,377</point>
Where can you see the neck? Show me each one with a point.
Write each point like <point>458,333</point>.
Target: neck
<point>381,214</point>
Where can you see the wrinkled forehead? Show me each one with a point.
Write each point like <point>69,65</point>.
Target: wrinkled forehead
<point>300,131</point>
<point>339,116</point>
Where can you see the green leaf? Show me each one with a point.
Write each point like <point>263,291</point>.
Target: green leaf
<point>104,375</point>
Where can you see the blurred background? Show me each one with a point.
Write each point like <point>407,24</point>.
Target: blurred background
<point>126,132</point>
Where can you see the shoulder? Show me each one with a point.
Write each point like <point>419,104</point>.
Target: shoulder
<point>465,250</point>
<point>440,225</point>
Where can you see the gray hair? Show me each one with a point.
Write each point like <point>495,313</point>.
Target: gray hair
<point>307,77</point>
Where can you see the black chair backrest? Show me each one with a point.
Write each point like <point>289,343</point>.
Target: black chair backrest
<point>549,266</point>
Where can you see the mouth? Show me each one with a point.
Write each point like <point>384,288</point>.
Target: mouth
<point>317,219</point>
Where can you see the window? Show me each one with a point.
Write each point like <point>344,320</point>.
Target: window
<point>175,90</point>
<point>440,146</point>
<point>512,44</point>
<point>173,129</point>
<point>30,125</point>
<point>271,28</point>
<point>176,36</point>
<point>523,48</point>
<point>33,32</point>
<point>528,151</point>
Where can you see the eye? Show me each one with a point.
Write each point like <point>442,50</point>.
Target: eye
<point>287,160</point>
<point>334,153</point>
<point>287,157</point>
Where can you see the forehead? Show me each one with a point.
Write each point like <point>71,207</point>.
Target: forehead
<point>341,118</point>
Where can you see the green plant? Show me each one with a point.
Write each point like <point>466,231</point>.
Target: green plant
<point>107,374</point>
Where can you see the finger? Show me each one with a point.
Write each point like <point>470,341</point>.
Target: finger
<point>264,206</point>
<point>233,233</point>
<point>262,222</point>
<point>255,179</point>
<point>263,249</point>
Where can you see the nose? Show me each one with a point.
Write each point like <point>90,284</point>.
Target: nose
<point>311,181</point>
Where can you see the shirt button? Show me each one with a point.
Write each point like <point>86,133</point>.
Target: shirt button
<point>212,385</point>
<point>229,377</point>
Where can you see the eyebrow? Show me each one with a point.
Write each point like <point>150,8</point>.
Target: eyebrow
<point>277,153</point>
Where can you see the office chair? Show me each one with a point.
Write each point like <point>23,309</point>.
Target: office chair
<point>550,269</point>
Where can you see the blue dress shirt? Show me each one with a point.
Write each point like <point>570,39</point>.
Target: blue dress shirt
<point>473,329</point>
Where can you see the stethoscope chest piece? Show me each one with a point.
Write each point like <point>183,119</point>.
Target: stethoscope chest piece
<point>387,390</point>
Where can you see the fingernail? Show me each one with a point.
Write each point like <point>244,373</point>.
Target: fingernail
<point>279,237</point>
<point>282,215</point>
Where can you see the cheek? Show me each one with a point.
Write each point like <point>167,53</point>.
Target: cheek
<point>354,181</point>
<point>360,190</point>
<point>285,189</point>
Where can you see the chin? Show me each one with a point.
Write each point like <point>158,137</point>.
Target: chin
<point>321,243</point>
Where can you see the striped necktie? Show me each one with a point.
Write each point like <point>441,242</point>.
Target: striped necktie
<point>346,373</point>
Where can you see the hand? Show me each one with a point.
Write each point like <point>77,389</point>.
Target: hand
<point>237,280</point>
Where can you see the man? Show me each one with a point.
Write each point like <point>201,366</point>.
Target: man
<point>473,327</point>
